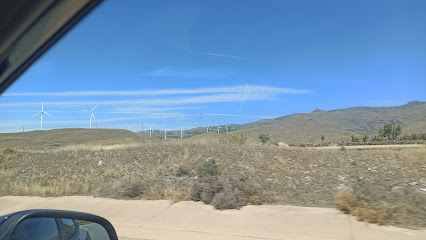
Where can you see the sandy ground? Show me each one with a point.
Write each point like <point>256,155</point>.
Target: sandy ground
<point>140,219</point>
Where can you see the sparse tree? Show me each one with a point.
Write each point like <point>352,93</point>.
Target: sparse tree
<point>365,138</point>
<point>387,131</point>
<point>322,138</point>
<point>264,138</point>
<point>396,131</point>
<point>354,138</point>
<point>391,132</point>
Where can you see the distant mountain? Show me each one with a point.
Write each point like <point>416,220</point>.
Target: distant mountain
<point>336,125</point>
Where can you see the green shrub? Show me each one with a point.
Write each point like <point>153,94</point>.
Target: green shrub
<point>7,151</point>
<point>264,138</point>
<point>183,171</point>
<point>239,138</point>
<point>208,168</point>
<point>390,131</point>
<point>365,138</point>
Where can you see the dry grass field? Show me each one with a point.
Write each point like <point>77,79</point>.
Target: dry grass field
<point>43,140</point>
<point>384,186</point>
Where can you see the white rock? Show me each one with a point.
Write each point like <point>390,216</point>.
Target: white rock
<point>281,144</point>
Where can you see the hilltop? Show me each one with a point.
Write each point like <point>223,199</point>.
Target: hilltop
<point>39,140</point>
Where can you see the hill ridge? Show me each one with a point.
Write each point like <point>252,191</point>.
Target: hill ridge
<point>338,124</point>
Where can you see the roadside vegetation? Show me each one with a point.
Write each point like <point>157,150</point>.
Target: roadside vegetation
<point>389,134</point>
<point>379,186</point>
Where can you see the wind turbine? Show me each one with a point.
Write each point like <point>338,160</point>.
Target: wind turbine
<point>42,112</point>
<point>91,115</point>
<point>165,134</point>
<point>218,128</point>
<point>199,120</point>
<point>150,129</point>
<point>226,126</point>
<point>181,133</point>
<point>208,128</point>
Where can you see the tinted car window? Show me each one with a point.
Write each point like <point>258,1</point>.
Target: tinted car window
<point>69,227</point>
<point>36,229</point>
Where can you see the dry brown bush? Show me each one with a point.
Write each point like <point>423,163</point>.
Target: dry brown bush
<point>226,192</point>
<point>350,204</point>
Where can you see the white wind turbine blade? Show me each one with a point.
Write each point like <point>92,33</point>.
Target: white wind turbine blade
<point>42,106</point>
<point>36,114</point>
<point>48,114</point>
<point>94,108</point>
<point>93,115</point>
<point>85,111</point>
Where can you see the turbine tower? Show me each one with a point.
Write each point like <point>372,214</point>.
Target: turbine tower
<point>91,115</point>
<point>150,129</point>
<point>181,133</point>
<point>199,120</point>
<point>218,129</point>
<point>226,126</point>
<point>42,112</point>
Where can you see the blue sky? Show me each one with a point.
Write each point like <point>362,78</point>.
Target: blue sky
<point>233,61</point>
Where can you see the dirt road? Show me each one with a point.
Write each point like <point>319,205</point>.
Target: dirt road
<point>397,146</point>
<point>190,220</point>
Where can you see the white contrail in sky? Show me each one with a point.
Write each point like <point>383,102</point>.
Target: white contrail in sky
<point>216,98</point>
<point>244,98</point>
<point>226,56</point>
<point>154,92</point>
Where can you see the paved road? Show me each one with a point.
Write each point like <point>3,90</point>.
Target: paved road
<point>158,220</point>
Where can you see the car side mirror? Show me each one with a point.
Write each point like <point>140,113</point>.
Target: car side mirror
<point>55,225</point>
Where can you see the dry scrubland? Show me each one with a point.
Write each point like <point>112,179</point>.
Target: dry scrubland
<point>59,138</point>
<point>378,186</point>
